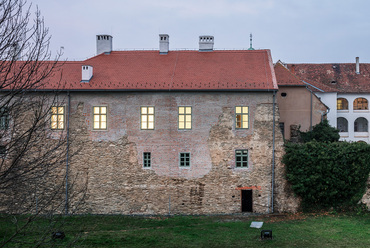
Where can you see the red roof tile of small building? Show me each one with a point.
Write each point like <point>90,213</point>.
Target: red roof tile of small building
<point>177,70</point>
<point>334,77</point>
<point>285,78</point>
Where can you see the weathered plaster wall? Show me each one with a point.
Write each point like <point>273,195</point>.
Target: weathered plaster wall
<point>112,159</point>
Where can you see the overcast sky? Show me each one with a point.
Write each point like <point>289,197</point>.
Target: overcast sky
<point>296,31</point>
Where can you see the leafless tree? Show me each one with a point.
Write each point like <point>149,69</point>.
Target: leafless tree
<point>33,157</point>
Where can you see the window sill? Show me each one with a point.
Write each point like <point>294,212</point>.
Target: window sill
<point>342,111</point>
<point>361,134</point>
<point>360,111</point>
<point>344,134</point>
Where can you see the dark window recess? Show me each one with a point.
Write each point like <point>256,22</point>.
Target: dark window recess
<point>185,159</point>
<point>282,128</point>
<point>247,201</point>
<point>4,118</point>
<point>147,159</point>
<point>283,94</point>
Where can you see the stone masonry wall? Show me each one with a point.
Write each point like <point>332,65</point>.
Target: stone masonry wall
<point>112,160</point>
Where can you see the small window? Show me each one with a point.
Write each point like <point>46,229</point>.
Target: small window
<point>57,117</point>
<point>241,117</point>
<point>147,159</point>
<point>360,104</point>
<point>241,158</point>
<point>284,94</point>
<point>282,128</point>
<point>185,159</point>
<point>4,118</point>
<point>184,117</point>
<point>100,118</point>
<point>342,104</point>
<point>147,117</point>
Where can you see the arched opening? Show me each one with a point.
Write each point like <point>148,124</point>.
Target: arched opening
<point>360,104</point>
<point>342,124</point>
<point>361,125</point>
<point>342,104</point>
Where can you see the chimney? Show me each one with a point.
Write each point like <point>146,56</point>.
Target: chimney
<point>357,65</point>
<point>104,44</point>
<point>164,43</point>
<point>87,73</point>
<point>206,43</point>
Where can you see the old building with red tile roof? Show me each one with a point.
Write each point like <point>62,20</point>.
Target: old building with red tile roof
<point>180,132</point>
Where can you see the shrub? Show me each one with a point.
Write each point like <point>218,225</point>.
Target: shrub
<point>321,132</point>
<point>327,174</point>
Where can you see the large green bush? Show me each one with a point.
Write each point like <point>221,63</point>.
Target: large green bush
<point>328,174</point>
<point>321,132</point>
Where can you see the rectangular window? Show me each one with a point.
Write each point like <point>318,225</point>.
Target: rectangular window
<point>100,118</point>
<point>185,159</point>
<point>241,158</point>
<point>147,117</point>
<point>241,117</point>
<point>57,117</point>
<point>147,159</point>
<point>184,117</point>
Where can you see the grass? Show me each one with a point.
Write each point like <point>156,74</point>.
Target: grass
<point>303,230</point>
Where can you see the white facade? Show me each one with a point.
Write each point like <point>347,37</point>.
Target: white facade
<point>357,128</point>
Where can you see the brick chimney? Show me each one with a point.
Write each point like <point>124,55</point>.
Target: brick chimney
<point>87,73</point>
<point>104,43</point>
<point>164,43</point>
<point>206,43</point>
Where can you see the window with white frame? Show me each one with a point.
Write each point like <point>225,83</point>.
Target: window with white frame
<point>147,117</point>
<point>184,117</point>
<point>57,117</point>
<point>100,117</point>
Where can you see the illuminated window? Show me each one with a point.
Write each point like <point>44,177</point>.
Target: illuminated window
<point>360,104</point>
<point>57,117</point>
<point>100,118</point>
<point>185,159</point>
<point>147,159</point>
<point>242,117</point>
<point>4,118</point>
<point>241,158</point>
<point>342,104</point>
<point>184,117</point>
<point>147,117</point>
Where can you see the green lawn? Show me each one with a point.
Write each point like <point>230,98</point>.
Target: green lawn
<point>201,231</point>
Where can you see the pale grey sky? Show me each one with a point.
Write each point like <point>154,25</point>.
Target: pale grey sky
<point>295,31</point>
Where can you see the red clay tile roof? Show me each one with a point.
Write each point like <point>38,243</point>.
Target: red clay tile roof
<point>178,70</point>
<point>334,77</point>
<point>285,78</point>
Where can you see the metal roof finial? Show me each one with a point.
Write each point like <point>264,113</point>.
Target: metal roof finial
<point>251,48</point>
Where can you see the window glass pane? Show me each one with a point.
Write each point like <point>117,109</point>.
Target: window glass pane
<point>181,125</point>
<point>96,125</point>
<point>143,110</point>
<point>181,110</point>
<point>188,125</point>
<point>60,117</point>
<point>96,118</point>
<point>245,110</point>
<point>238,110</point>
<point>103,110</point>
<point>151,110</point>
<point>151,125</point>
<point>53,125</point>
<point>143,125</point>
<point>96,110</point>
<point>103,118</point>
<point>60,110</point>
<point>151,118</point>
<point>188,118</point>
<point>144,118</point>
<point>188,110</point>
<point>54,118</point>
<point>61,125</point>
<point>54,110</point>
<point>103,125</point>
<point>181,118</point>
<point>245,124</point>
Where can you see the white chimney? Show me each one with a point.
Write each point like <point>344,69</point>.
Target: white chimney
<point>357,65</point>
<point>206,43</point>
<point>104,44</point>
<point>87,73</point>
<point>164,43</point>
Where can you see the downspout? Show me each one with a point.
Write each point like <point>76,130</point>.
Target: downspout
<point>273,152</point>
<point>67,153</point>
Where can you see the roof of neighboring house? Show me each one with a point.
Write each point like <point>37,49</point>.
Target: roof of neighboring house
<point>340,78</point>
<point>285,78</point>
<point>177,70</point>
